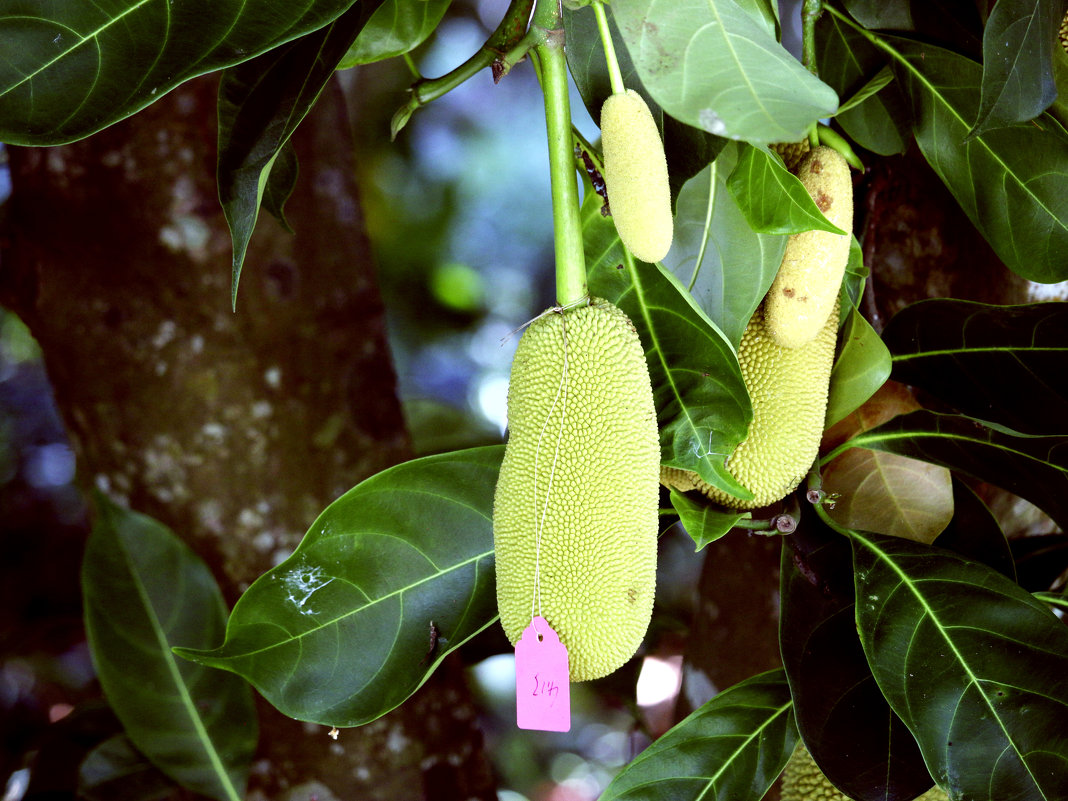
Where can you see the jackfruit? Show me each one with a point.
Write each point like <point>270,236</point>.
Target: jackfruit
<point>802,780</point>
<point>788,389</point>
<point>791,153</point>
<point>814,262</point>
<point>582,463</point>
<point>636,176</point>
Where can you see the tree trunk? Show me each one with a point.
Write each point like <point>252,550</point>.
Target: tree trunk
<point>235,430</point>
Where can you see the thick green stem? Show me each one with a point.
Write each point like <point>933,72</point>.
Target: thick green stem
<point>614,75</point>
<point>567,229</point>
<point>810,12</point>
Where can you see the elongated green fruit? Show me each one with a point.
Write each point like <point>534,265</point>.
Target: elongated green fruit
<point>635,176</point>
<point>810,275</point>
<point>581,463</point>
<point>788,388</point>
<point>802,780</point>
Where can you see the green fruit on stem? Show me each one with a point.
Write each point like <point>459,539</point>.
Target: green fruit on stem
<point>581,465</point>
<point>636,176</point>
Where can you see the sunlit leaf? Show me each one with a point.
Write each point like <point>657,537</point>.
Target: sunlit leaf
<point>144,592</point>
<point>703,521</point>
<point>730,749</point>
<point>972,663</point>
<point>394,29</point>
<point>339,633</point>
<point>726,266</point>
<point>70,69</point>
<point>711,64</point>
<point>1004,364</point>
<point>862,366</point>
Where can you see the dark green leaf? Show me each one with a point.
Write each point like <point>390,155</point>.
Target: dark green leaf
<point>772,199</point>
<point>1035,468</point>
<point>862,366</point>
<point>731,749</point>
<point>974,533</point>
<point>280,184</point>
<point>849,729</point>
<point>1004,364</point>
<point>704,522</point>
<point>849,63</point>
<point>339,633</point>
<point>972,663</point>
<point>726,266</point>
<point>261,103</point>
<point>144,592</point>
<point>71,69</point>
<point>1011,182</point>
<point>1040,560</point>
<point>1018,44</point>
<point>856,275</point>
<point>701,401</point>
<point>950,22</point>
<point>706,63</point>
<point>688,149</point>
<point>397,27</point>
<point>115,769</point>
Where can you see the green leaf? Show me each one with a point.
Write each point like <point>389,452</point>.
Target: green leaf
<point>702,404</point>
<point>726,266</point>
<point>1011,182</point>
<point>280,184</point>
<point>703,521</point>
<point>339,633</point>
<point>773,199</point>
<point>878,81</point>
<point>862,366</point>
<point>115,769</point>
<point>1004,364</point>
<point>845,722</point>
<point>1018,44</point>
<point>851,64</point>
<point>144,592</point>
<point>974,533</point>
<point>71,69</point>
<point>261,103</point>
<point>973,665</point>
<point>397,27</point>
<point>730,749</point>
<point>1035,468</point>
<point>707,62</point>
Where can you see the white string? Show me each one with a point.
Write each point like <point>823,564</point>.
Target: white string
<point>561,395</point>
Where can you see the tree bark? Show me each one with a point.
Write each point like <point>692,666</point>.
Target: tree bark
<point>235,430</point>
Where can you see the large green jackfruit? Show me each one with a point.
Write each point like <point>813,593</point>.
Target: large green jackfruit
<point>592,435</point>
<point>814,262</point>
<point>788,388</point>
<point>802,780</point>
<point>636,176</point>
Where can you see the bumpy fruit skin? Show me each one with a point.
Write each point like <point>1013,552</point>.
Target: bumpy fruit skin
<point>812,267</point>
<point>788,388</point>
<point>791,153</point>
<point>597,562</point>
<point>802,780</point>
<point>636,176</point>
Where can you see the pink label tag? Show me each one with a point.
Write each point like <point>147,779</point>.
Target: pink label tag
<point>542,691</point>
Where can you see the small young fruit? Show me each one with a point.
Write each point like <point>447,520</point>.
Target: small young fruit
<point>581,464</point>
<point>788,388</point>
<point>802,780</point>
<point>810,275</point>
<point>636,176</point>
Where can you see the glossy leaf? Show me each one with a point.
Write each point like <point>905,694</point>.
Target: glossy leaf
<point>703,521</point>
<point>862,366</point>
<point>708,62</point>
<point>702,404</point>
<point>848,62</point>
<point>972,663</point>
<point>1018,44</point>
<point>1004,364</point>
<point>1011,182</point>
<point>144,591</point>
<point>688,149</point>
<point>261,103</point>
<point>773,200</point>
<point>974,533</point>
<point>71,69</point>
<point>1035,468</point>
<point>339,633</point>
<point>726,266</point>
<point>396,27</point>
<point>875,84</point>
<point>848,727</point>
<point>730,749</point>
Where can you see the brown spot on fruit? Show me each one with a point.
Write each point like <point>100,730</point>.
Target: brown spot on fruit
<point>787,292</point>
<point>824,202</point>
